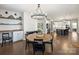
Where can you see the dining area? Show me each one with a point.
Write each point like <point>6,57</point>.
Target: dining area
<point>38,33</point>
<point>39,30</point>
<point>39,42</point>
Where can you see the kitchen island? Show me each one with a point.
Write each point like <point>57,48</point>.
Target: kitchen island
<point>62,31</point>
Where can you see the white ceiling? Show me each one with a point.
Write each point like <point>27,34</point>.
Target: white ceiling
<point>54,11</point>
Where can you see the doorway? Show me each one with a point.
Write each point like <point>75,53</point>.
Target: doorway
<point>74,26</point>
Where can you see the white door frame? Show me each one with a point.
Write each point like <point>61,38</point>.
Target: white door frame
<point>71,24</point>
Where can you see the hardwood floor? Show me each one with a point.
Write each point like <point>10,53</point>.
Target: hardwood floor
<point>62,45</point>
<point>13,49</point>
<point>66,45</point>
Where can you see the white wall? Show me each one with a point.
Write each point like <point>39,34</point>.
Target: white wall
<point>29,24</point>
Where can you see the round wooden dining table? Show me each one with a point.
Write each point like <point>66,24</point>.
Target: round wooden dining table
<point>45,37</point>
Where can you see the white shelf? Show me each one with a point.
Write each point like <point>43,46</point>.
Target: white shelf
<point>10,22</point>
<point>9,19</point>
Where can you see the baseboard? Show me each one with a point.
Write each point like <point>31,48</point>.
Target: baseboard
<point>17,41</point>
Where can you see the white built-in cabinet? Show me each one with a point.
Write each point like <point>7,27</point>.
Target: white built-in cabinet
<point>17,35</point>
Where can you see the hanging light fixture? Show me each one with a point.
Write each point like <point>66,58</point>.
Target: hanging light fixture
<point>38,14</point>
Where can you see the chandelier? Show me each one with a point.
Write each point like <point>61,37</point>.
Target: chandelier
<point>38,14</point>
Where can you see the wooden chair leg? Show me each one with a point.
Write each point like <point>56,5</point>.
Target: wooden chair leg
<point>52,46</point>
<point>2,43</point>
<point>43,52</point>
<point>26,46</point>
<point>34,52</point>
<point>9,41</point>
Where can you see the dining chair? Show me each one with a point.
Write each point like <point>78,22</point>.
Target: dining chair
<point>50,42</point>
<point>27,41</point>
<point>6,37</point>
<point>38,45</point>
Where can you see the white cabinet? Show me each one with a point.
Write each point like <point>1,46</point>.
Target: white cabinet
<point>17,35</point>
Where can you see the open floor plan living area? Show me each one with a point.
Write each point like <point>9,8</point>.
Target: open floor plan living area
<point>39,29</point>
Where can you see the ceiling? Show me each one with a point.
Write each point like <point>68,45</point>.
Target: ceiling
<point>54,11</point>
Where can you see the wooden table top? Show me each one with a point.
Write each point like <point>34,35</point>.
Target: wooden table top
<point>45,37</point>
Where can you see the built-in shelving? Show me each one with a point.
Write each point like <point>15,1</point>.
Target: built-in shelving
<point>10,30</point>
<point>10,22</point>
